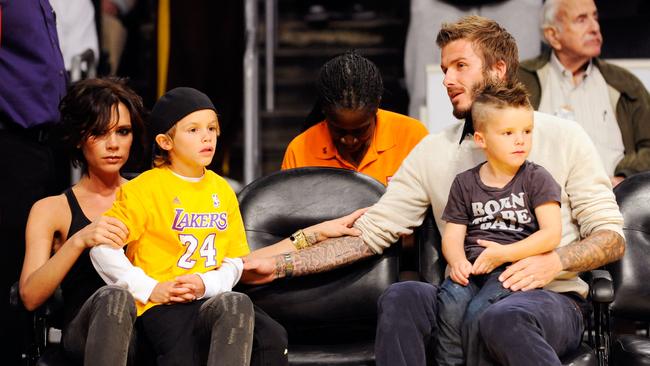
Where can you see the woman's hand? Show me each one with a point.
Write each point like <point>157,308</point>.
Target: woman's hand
<point>334,228</point>
<point>105,230</point>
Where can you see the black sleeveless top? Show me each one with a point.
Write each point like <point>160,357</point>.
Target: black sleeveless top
<point>82,280</point>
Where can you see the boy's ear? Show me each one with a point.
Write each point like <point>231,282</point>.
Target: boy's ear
<point>164,142</point>
<point>479,139</point>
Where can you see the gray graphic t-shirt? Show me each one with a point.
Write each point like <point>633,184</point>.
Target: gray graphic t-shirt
<point>503,215</point>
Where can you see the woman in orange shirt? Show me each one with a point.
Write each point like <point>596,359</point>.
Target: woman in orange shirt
<point>350,130</point>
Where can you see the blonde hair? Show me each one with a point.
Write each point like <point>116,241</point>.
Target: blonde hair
<point>161,156</point>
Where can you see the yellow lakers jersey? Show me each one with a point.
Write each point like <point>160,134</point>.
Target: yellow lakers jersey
<point>178,227</point>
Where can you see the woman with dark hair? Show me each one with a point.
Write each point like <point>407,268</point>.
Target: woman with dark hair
<point>101,120</point>
<point>347,129</point>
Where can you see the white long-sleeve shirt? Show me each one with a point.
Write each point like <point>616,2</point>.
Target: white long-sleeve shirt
<point>425,177</point>
<point>115,269</point>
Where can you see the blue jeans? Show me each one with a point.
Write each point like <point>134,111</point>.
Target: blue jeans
<point>525,328</point>
<point>459,308</point>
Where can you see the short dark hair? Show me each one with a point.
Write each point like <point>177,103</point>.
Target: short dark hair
<point>491,41</point>
<point>497,95</point>
<point>86,111</point>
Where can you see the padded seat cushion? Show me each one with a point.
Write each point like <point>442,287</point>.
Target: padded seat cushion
<point>631,350</point>
<point>333,307</point>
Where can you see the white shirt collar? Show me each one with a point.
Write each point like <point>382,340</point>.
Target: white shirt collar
<point>567,74</point>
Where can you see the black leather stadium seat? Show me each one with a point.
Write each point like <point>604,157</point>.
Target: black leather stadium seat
<point>330,317</point>
<point>631,273</point>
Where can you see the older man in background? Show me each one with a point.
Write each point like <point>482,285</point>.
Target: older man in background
<point>570,81</point>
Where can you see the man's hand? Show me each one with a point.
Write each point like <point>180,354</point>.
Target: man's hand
<point>460,271</point>
<point>489,259</point>
<point>616,180</point>
<point>334,228</point>
<point>532,272</point>
<point>194,282</point>
<point>105,230</point>
<point>169,292</point>
<point>259,271</point>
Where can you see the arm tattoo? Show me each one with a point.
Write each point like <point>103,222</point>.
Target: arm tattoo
<point>596,250</point>
<point>328,254</point>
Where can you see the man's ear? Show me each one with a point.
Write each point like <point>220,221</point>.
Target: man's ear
<point>500,68</point>
<point>479,139</point>
<point>164,142</point>
<point>552,37</point>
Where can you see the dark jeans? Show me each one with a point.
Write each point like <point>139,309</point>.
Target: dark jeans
<point>101,333</point>
<point>459,308</point>
<point>531,328</point>
<point>218,331</point>
<point>270,341</point>
<point>525,328</point>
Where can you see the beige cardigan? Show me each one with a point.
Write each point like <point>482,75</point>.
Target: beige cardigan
<point>425,177</point>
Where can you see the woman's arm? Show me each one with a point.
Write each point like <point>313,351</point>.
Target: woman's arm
<point>314,234</point>
<point>42,272</point>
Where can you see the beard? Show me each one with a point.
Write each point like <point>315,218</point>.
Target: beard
<point>488,78</point>
<point>461,113</point>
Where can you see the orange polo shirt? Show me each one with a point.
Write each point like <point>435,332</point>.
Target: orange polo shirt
<point>395,136</point>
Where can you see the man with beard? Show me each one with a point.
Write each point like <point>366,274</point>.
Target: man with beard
<point>545,313</point>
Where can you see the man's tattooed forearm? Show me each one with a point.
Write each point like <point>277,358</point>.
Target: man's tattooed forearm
<point>596,250</point>
<point>329,254</point>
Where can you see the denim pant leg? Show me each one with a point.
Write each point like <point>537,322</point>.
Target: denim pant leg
<point>226,321</point>
<point>541,325</point>
<point>452,302</point>
<point>406,323</point>
<point>101,333</point>
<point>270,341</point>
<point>491,291</point>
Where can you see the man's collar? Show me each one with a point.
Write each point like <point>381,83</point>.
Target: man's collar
<point>468,129</point>
<point>558,66</point>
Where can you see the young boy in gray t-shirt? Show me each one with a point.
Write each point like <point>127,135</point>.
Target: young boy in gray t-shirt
<point>501,211</point>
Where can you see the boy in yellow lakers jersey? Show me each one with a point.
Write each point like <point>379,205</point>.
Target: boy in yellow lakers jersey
<point>184,242</point>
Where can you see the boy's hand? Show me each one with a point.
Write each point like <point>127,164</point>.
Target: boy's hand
<point>169,292</point>
<point>489,259</point>
<point>460,271</point>
<point>193,282</point>
<point>259,271</point>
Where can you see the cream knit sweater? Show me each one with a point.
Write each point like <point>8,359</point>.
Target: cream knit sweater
<point>425,177</point>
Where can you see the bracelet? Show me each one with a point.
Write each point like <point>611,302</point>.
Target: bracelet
<point>288,265</point>
<point>299,240</point>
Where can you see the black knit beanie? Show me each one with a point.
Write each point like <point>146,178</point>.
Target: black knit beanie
<point>173,106</point>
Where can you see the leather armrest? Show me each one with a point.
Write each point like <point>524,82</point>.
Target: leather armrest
<point>601,286</point>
